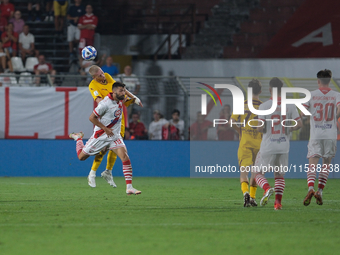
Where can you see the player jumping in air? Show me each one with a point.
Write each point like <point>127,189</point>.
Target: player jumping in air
<point>107,117</point>
<point>250,141</point>
<point>324,106</point>
<point>274,149</point>
<point>101,86</point>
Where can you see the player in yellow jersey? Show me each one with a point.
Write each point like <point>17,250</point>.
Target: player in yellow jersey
<point>100,86</point>
<point>250,141</point>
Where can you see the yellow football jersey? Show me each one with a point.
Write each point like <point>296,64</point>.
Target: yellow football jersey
<point>102,90</point>
<point>250,137</point>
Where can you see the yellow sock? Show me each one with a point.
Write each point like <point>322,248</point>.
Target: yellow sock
<point>111,160</point>
<point>97,160</point>
<point>244,187</point>
<point>253,191</point>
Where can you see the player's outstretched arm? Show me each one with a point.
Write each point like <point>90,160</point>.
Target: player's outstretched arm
<point>94,119</point>
<point>137,100</point>
<point>298,126</point>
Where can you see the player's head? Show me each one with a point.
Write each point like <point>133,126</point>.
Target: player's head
<point>97,73</point>
<point>275,83</point>
<point>118,89</point>
<point>324,77</point>
<point>256,85</point>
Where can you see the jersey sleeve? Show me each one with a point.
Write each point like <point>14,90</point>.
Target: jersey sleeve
<point>100,109</point>
<point>337,99</point>
<point>109,78</point>
<point>129,102</point>
<point>235,117</point>
<point>93,91</point>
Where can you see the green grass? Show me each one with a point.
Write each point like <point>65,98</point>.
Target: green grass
<point>172,216</point>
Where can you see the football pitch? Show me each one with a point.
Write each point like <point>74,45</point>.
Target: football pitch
<point>172,216</point>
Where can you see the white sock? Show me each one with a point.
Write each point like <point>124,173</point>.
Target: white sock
<point>93,173</point>
<point>109,170</point>
<point>129,186</point>
<point>320,190</point>
<point>310,187</point>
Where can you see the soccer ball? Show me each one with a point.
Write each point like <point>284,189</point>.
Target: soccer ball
<point>89,53</point>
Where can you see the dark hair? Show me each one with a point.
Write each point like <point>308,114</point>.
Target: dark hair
<point>324,76</point>
<point>176,111</point>
<point>276,83</point>
<point>256,85</point>
<point>118,84</point>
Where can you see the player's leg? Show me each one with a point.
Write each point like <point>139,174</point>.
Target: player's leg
<point>253,185</point>
<point>329,147</point>
<point>127,168</point>
<point>279,172</point>
<point>107,174</point>
<point>78,137</point>
<point>96,163</point>
<point>262,165</point>
<point>244,159</point>
<point>314,154</point>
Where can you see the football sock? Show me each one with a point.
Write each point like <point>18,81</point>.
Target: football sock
<point>93,173</point>
<point>111,160</point>
<point>279,188</point>
<point>97,160</point>
<point>311,176</point>
<point>127,170</point>
<point>253,191</point>
<point>262,182</point>
<point>323,176</point>
<point>244,187</point>
<point>79,146</point>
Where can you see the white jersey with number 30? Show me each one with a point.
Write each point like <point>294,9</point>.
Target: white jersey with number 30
<point>322,106</point>
<point>275,139</point>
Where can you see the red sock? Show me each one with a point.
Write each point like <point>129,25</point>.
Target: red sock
<point>262,182</point>
<point>127,170</point>
<point>323,177</point>
<point>79,146</point>
<point>279,188</point>
<point>311,176</point>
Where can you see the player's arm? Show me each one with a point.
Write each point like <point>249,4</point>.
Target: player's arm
<point>94,119</point>
<point>338,111</point>
<point>137,100</point>
<point>98,99</point>
<point>298,125</point>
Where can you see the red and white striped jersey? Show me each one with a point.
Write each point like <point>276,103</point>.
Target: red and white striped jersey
<point>109,113</point>
<point>322,106</point>
<point>275,139</point>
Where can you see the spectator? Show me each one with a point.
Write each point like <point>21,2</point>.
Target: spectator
<point>155,127</point>
<point>130,80</point>
<point>43,68</point>
<point>174,130</point>
<point>3,23</point>
<point>18,22</point>
<point>26,44</point>
<point>7,9</point>
<point>5,59</point>
<point>110,68</point>
<point>31,13</point>
<point>10,40</point>
<point>137,128</point>
<point>49,10</point>
<point>60,8</point>
<point>87,24</point>
<point>199,129</point>
<point>225,132</point>
<point>73,33</point>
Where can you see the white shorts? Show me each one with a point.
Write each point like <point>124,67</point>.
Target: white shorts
<point>73,33</point>
<point>94,146</point>
<point>277,163</point>
<point>321,148</point>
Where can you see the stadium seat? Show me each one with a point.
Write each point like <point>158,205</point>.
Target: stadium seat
<point>30,63</point>
<point>17,64</point>
<point>25,79</point>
